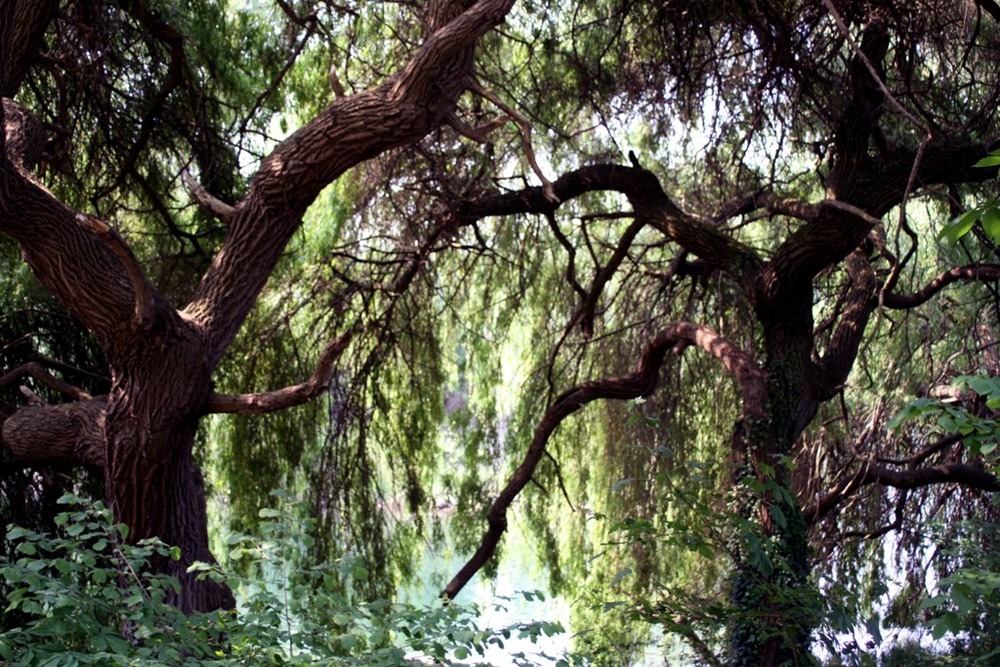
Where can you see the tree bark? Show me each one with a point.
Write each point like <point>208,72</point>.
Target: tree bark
<point>160,359</point>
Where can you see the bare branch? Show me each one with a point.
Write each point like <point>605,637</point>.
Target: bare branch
<point>36,371</point>
<point>872,473</point>
<point>525,126</point>
<point>649,202</point>
<point>206,200</point>
<point>968,273</point>
<point>286,397</point>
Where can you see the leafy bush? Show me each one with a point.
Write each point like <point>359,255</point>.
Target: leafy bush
<point>87,597</point>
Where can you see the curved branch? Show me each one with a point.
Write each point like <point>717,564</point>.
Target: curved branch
<point>81,260</point>
<point>351,130</point>
<point>970,272</point>
<point>640,383</point>
<point>286,397</point>
<point>644,192</point>
<point>871,473</point>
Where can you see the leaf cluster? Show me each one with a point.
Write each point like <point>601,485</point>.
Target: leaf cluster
<point>87,596</point>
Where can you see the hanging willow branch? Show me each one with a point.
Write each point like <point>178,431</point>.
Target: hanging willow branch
<point>640,383</point>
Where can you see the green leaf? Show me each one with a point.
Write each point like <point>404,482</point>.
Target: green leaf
<point>991,223</point>
<point>777,515</point>
<point>992,160</point>
<point>16,532</point>
<point>27,548</point>
<point>960,226</point>
<point>947,622</point>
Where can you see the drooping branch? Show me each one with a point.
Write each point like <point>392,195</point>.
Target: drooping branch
<point>914,478</point>
<point>640,383</point>
<point>286,397</point>
<point>968,273</point>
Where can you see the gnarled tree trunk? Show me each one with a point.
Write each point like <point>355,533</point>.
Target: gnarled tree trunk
<point>161,359</point>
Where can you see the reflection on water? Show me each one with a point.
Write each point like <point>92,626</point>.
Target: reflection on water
<point>507,601</point>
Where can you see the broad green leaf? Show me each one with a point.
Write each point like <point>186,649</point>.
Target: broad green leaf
<point>960,226</point>
<point>988,161</point>
<point>991,223</point>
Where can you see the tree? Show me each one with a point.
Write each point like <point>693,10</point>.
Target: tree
<point>160,358</point>
<point>827,126</point>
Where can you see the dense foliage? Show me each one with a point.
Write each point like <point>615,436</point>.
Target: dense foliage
<point>780,218</point>
<point>71,594</point>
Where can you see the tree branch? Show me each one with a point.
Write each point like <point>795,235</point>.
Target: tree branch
<point>70,434</point>
<point>640,383</point>
<point>968,273</point>
<point>206,200</point>
<point>35,370</point>
<point>647,197</point>
<point>872,473</point>
<point>286,397</point>
<point>27,21</point>
<point>351,130</point>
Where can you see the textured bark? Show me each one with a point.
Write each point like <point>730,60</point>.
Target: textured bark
<point>73,434</point>
<point>161,360</point>
<point>28,21</point>
<point>351,130</point>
